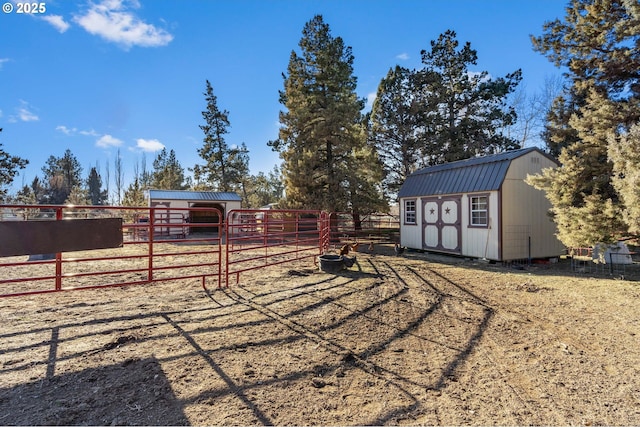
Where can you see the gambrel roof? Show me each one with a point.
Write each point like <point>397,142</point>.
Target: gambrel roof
<point>484,173</point>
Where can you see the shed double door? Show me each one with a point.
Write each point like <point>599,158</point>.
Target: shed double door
<point>441,224</point>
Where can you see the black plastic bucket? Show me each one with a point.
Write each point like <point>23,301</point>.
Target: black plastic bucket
<point>331,263</point>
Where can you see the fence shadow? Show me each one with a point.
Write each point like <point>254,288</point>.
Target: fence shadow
<point>248,345</point>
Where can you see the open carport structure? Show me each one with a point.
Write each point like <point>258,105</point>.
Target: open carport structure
<point>218,201</point>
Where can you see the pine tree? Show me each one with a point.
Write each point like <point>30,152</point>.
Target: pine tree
<point>624,152</point>
<point>558,133</point>
<point>225,166</point>
<point>61,175</point>
<point>95,193</point>
<point>463,112</point>
<point>395,128</point>
<point>598,43</point>
<point>9,167</point>
<point>167,173</point>
<point>77,196</point>
<point>322,129</point>
<point>134,194</point>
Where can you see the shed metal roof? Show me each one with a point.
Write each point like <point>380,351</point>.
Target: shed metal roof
<point>484,173</point>
<point>216,196</point>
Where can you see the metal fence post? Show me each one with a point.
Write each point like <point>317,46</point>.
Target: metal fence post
<point>59,217</point>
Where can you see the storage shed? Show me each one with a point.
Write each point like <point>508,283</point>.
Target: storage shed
<point>480,207</point>
<point>223,201</point>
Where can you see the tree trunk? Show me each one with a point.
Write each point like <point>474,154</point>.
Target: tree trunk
<point>357,221</point>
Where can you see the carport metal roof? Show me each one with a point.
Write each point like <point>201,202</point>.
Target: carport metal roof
<point>216,196</point>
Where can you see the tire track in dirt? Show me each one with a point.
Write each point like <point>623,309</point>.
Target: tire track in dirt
<point>428,302</point>
<point>346,356</point>
<point>398,293</point>
<point>567,341</point>
<point>479,340</point>
<point>544,365</point>
<point>449,289</point>
<point>528,318</point>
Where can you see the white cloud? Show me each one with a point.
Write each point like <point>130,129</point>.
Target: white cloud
<point>107,141</point>
<point>149,145</point>
<point>403,56</point>
<point>66,130</point>
<point>74,131</point>
<point>89,133</point>
<point>111,20</point>
<point>58,22</point>
<point>2,61</point>
<point>27,116</point>
<point>24,114</point>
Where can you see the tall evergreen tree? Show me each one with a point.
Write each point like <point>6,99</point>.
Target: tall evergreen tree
<point>558,133</point>
<point>61,175</point>
<point>225,166</point>
<point>624,152</point>
<point>95,193</point>
<point>395,127</point>
<point>322,131</point>
<point>584,203</point>
<point>599,44</point>
<point>9,167</point>
<point>263,189</point>
<point>464,111</point>
<point>134,194</point>
<point>167,173</point>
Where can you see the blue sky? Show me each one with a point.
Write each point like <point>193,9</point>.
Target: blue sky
<point>102,75</point>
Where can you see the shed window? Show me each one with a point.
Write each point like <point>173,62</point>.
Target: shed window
<point>479,211</point>
<point>409,211</point>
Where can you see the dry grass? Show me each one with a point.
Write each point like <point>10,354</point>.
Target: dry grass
<point>394,340</point>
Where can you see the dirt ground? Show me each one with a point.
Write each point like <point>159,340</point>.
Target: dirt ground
<point>417,339</point>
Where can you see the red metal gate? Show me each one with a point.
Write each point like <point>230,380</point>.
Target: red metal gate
<point>157,244</point>
<point>258,238</point>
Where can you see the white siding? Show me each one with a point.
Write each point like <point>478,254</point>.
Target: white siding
<point>170,203</point>
<point>411,234</point>
<point>481,242</point>
<point>231,205</point>
<point>168,222</point>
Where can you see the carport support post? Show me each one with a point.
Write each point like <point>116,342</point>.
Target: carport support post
<point>59,217</point>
